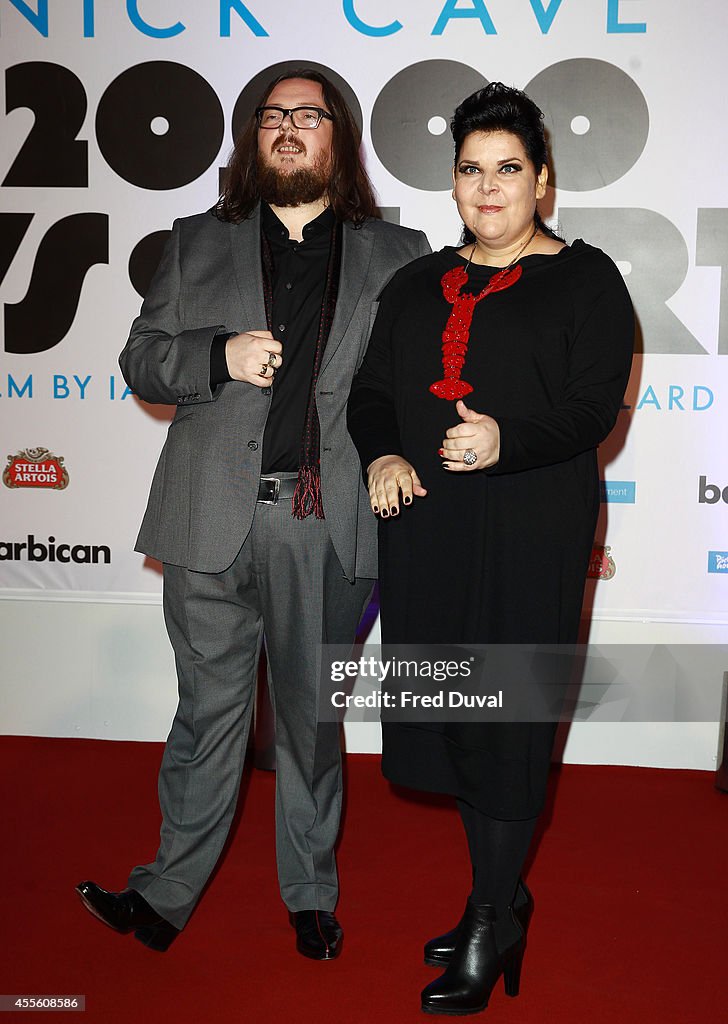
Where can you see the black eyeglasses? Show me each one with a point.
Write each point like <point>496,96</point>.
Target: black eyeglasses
<point>301,117</point>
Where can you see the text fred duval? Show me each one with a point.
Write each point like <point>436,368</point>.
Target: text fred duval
<point>409,699</point>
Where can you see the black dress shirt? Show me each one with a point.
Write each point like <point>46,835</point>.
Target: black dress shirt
<point>299,278</point>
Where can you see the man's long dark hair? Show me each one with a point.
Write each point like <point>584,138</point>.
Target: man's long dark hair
<point>350,193</point>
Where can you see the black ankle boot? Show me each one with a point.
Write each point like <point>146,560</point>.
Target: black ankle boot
<point>483,952</point>
<point>439,950</point>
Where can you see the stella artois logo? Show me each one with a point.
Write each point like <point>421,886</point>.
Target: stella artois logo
<point>36,467</point>
<point>601,564</point>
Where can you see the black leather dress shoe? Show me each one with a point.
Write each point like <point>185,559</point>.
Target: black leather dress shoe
<point>128,911</point>
<point>319,935</point>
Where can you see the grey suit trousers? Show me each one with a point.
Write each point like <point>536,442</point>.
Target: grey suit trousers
<point>286,585</point>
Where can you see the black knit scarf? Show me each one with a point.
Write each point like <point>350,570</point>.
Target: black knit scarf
<point>307,498</point>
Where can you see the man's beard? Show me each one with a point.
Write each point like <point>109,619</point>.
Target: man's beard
<point>293,188</point>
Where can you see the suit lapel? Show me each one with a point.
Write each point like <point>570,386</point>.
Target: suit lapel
<point>357,248</point>
<point>356,254</point>
<point>245,246</point>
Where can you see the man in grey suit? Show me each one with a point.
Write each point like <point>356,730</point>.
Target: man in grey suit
<point>254,325</point>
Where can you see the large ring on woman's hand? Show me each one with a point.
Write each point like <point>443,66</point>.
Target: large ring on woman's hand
<point>469,457</point>
<point>263,370</point>
<point>271,359</point>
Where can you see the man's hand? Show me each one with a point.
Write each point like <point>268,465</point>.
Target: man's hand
<point>388,475</point>
<point>247,354</point>
<point>478,433</point>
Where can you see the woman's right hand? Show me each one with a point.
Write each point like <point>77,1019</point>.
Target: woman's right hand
<point>388,476</point>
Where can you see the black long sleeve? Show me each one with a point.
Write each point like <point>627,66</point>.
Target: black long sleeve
<point>548,359</point>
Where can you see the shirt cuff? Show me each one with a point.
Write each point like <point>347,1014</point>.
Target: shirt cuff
<point>218,363</point>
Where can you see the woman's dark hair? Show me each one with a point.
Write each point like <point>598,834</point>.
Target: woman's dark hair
<point>350,192</point>
<point>500,108</point>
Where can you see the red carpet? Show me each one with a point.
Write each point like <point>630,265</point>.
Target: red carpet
<point>630,882</point>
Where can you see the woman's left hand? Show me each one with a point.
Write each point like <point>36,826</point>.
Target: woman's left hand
<point>477,434</point>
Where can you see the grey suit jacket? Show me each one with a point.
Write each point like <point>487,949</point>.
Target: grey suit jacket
<point>204,490</point>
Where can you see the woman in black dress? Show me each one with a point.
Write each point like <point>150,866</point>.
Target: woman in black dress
<point>493,372</point>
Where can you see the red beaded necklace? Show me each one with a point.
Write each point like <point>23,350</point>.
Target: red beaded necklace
<point>456,335</point>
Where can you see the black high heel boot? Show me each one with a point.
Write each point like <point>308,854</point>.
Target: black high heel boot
<point>439,950</point>
<point>477,962</point>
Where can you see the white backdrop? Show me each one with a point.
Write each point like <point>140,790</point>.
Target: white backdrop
<point>118,118</point>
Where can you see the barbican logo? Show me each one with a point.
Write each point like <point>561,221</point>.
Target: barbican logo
<point>36,467</point>
<point>601,564</point>
<point>51,551</point>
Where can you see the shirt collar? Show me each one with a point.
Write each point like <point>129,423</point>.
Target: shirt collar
<point>275,228</point>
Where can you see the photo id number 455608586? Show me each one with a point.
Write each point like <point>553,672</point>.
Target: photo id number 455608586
<point>25,1002</point>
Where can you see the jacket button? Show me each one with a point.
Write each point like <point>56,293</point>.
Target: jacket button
<point>266,391</point>
<point>253,445</point>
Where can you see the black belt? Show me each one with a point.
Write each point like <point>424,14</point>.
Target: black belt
<point>273,488</point>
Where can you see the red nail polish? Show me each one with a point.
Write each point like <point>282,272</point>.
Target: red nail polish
<point>440,451</point>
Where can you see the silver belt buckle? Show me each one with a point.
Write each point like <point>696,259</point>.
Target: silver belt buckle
<point>276,490</point>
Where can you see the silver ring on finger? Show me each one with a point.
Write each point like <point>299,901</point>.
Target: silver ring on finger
<point>271,359</point>
<point>263,370</point>
<point>469,457</point>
